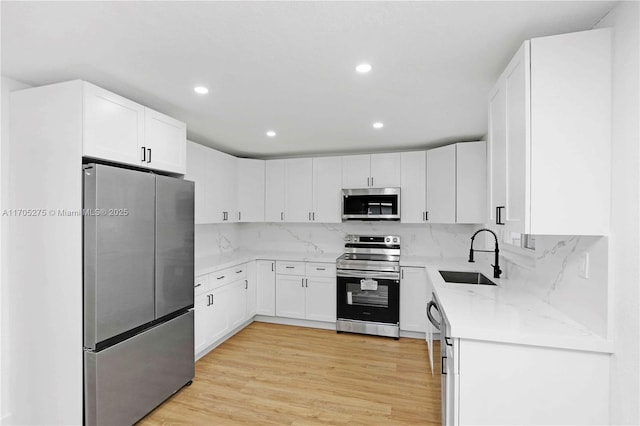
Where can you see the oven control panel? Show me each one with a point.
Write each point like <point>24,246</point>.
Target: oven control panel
<point>389,240</point>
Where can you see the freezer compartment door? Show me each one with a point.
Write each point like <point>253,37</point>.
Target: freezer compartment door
<point>174,245</point>
<point>126,381</point>
<point>118,251</point>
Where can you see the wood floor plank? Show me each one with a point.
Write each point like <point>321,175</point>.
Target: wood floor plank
<point>278,374</point>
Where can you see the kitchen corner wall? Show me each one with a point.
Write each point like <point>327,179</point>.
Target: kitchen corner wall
<point>556,277</point>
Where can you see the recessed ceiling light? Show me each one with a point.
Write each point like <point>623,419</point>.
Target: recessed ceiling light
<point>201,90</point>
<point>363,68</point>
<point>271,133</point>
<point>378,125</point>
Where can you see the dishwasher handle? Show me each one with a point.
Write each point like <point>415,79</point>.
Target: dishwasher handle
<point>433,321</point>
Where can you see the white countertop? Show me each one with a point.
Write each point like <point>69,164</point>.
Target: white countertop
<point>212,263</point>
<point>504,313</point>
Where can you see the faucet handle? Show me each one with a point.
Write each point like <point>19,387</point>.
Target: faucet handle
<point>496,271</point>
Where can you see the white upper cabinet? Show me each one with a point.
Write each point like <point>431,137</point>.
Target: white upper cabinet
<point>327,189</point>
<point>165,140</point>
<point>385,170</point>
<point>198,171</point>
<point>224,199</point>
<point>551,108</point>
<point>274,191</point>
<point>371,171</point>
<point>441,185</point>
<point>298,189</point>
<point>251,187</point>
<point>471,184</point>
<point>413,187</point>
<point>119,130</point>
<point>113,126</point>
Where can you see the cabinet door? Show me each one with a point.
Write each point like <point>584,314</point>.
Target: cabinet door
<point>298,190</point>
<point>165,141</point>
<point>441,185</point>
<point>413,184</point>
<point>385,170</point>
<point>518,144</point>
<point>198,172</point>
<point>356,171</point>
<point>496,154</point>
<point>320,299</point>
<point>327,189</point>
<point>223,167</point>
<point>201,323</point>
<point>274,191</point>
<point>113,127</point>
<point>251,289</point>
<point>237,307</point>
<point>218,314</point>
<point>266,287</point>
<point>290,296</point>
<point>250,185</point>
<point>471,182</point>
<point>413,299</point>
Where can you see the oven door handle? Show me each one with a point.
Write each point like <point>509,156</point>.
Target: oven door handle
<point>433,321</point>
<point>345,273</point>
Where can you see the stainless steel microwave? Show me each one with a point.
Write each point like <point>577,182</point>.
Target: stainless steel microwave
<point>371,204</point>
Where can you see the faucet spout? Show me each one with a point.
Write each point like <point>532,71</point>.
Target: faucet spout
<point>496,267</point>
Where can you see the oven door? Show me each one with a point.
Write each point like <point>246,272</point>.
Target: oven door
<point>368,296</point>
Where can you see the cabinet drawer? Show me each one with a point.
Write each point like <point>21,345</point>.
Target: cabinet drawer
<point>201,284</point>
<point>290,268</point>
<point>227,275</point>
<point>315,269</point>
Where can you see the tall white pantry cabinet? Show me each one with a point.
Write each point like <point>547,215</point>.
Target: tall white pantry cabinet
<point>52,127</point>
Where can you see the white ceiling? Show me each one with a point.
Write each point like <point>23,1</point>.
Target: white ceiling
<point>289,66</point>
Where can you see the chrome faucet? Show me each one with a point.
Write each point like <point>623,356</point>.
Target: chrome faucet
<point>496,268</point>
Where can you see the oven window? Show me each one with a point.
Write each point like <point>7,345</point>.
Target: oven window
<point>357,296</point>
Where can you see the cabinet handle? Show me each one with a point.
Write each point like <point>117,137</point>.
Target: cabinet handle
<point>149,151</point>
<point>302,282</point>
<point>144,156</point>
<point>289,267</point>
<point>321,269</point>
<point>446,340</point>
<point>238,271</point>
<point>313,216</point>
<point>368,182</point>
<point>246,284</point>
<point>426,216</point>
<point>306,282</point>
<point>197,285</point>
<point>309,216</point>
<point>220,277</point>
<point>272,266</point>
<point>281,215</point>
<point>443,362</point>
<point>239,216</point>
<point>402,274</point>
<point>499,220</point>
<point>372,181</point>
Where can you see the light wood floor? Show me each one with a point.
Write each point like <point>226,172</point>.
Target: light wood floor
<point>277,374</point>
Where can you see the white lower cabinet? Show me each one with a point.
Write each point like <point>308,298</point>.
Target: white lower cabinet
<point>413,299</point>
<point>266,287</point>
<point>306,290</point>
<point>224,300</point>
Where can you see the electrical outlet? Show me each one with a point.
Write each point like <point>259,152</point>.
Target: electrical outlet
<point>584,266</point>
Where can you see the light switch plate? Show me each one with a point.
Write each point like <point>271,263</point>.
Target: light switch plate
<point>584,265</point>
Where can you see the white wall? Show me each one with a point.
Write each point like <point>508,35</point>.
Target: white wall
<point>624,246</point>
<point>7,85</point>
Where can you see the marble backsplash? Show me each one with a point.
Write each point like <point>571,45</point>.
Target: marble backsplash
<point>554,274</point>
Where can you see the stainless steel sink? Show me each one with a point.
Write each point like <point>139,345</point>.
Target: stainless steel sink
<point>460,277</point>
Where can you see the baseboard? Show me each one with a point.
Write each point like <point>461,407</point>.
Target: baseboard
<point>412,334</point>
<point>222,339</point>
<point>296,322</point>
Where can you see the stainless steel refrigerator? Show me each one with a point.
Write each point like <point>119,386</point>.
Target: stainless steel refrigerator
<point>138,291</point>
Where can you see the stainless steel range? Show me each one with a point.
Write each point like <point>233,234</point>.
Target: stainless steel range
<point>368,295</point>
